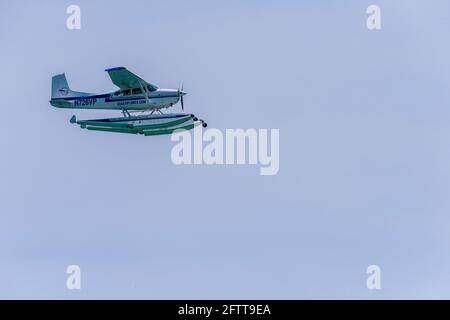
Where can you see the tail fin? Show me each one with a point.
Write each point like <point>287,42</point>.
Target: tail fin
<point>60,88</point>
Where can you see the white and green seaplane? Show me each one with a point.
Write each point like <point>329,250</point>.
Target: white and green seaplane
<point>135,95</point>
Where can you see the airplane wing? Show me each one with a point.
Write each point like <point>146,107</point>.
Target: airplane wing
<point>125,79</point>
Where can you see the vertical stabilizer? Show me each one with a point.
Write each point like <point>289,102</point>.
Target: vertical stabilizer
<point>60,88</point>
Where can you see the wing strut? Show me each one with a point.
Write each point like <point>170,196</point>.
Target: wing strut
<point>144,90</point>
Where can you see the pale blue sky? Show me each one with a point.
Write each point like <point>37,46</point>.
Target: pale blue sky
<point>364,121</point>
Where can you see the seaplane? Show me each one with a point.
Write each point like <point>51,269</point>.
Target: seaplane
<point>135,95</point>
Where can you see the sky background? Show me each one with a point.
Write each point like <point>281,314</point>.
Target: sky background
<point>364,178</point>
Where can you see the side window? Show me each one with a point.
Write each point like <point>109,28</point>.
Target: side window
<point>137,91</point>
<point>126,92</point>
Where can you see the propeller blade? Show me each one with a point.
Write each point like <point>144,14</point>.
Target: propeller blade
<point>182,103</point>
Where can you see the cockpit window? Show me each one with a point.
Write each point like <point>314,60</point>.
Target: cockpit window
<point>137,91</point>
<point>127,92</point>
<point>152,87</point>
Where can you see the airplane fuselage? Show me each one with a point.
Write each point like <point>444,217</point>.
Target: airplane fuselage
<point>121,100</point>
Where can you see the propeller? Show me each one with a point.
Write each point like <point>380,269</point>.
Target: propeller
<point>181,94</point>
